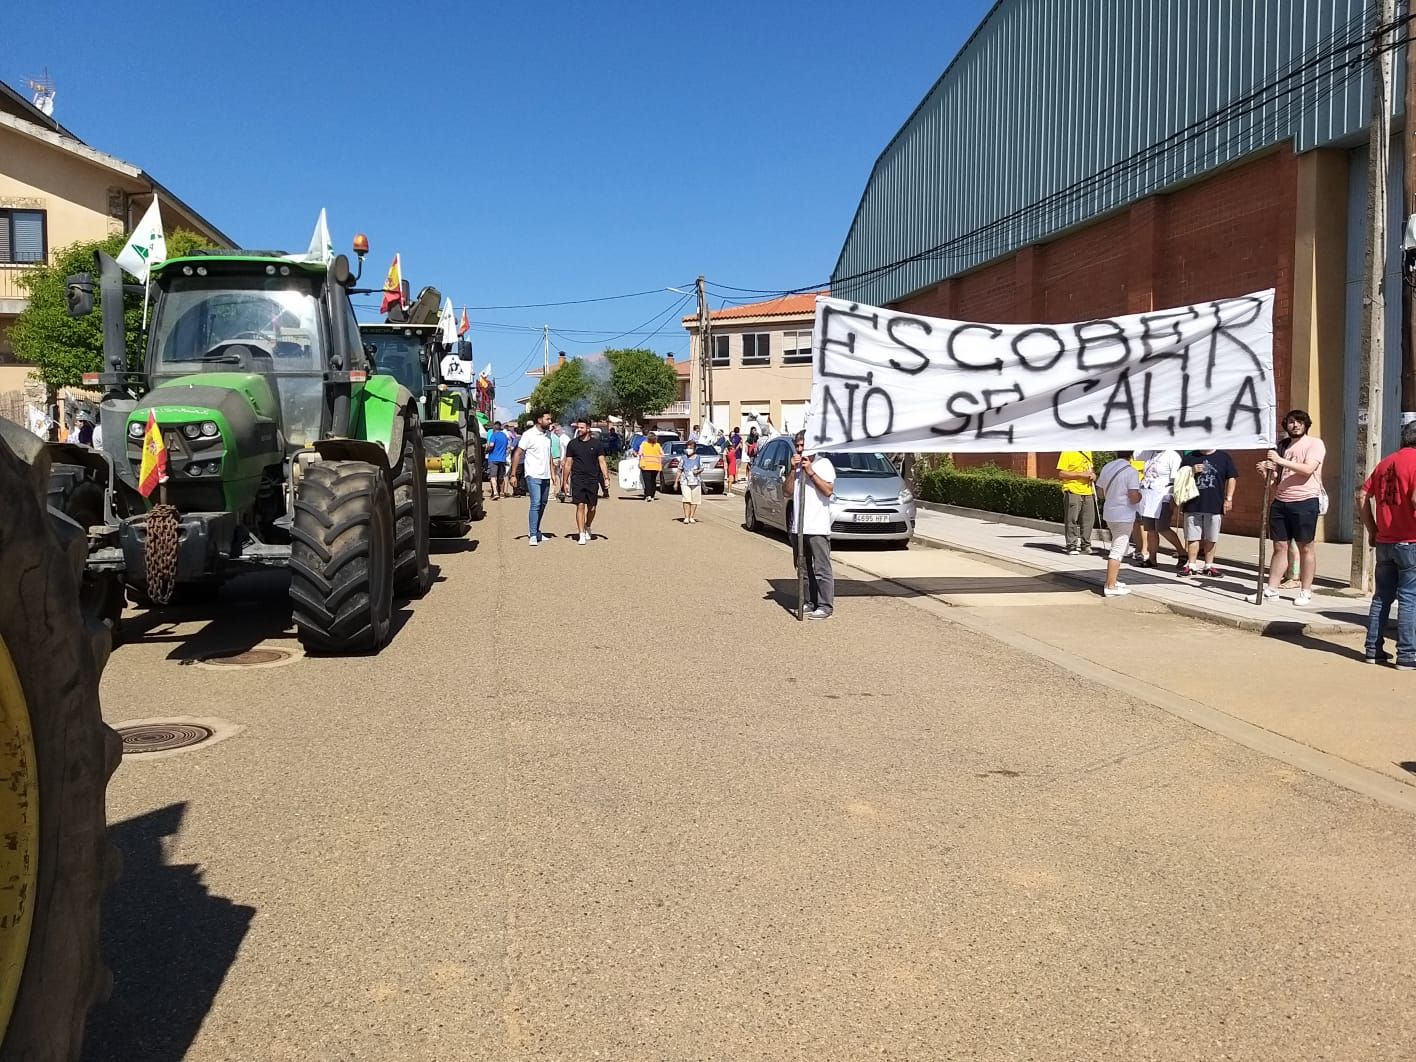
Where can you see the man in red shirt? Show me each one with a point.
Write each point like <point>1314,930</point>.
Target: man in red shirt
<point>1389,514</point>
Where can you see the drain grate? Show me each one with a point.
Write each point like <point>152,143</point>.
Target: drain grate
<point>162,737</point>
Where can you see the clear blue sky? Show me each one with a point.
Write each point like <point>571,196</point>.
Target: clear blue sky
<point>517,153</point>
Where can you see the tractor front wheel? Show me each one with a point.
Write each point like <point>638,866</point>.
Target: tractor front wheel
<point>412,571</point>
<point>341,558</point>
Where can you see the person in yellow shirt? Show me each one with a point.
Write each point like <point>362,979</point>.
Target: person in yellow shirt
<point>651,463</point>
<point>1078,476</point>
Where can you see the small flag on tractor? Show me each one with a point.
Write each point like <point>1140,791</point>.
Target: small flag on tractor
<point>393,286</point>
<point>146,245</point>
<point>466,325</point>
<point>447,324</point>
<point>154,467</point>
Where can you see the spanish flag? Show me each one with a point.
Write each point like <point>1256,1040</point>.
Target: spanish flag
<point>393,286</point>
<point>466,325</point>
<point>154,467</point>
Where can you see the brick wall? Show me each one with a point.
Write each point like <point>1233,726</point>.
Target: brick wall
<point>1227,235</point>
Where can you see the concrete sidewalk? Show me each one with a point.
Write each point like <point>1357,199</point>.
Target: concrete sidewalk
<point>1228,599</point>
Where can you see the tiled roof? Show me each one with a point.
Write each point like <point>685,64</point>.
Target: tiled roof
<point>803,305</point>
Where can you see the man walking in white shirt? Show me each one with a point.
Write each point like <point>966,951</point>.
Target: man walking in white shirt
<point>816,527</point>
<point>533,452</point>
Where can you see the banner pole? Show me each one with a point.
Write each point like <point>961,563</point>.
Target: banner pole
<point>801,544</point>
<point>1263,538</point>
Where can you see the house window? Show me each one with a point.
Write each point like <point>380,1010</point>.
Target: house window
<point>720,352</point>
<point>796,348</point>
<point>756,349</point>
<point>22,236</point>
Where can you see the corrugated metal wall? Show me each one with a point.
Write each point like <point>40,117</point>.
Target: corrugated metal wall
<point>1057,111</point>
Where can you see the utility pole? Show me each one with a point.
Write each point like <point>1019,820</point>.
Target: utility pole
<point>1371,369</point>
<point>545,351</point>
<point>705,357</point>
<point>1408,256</point>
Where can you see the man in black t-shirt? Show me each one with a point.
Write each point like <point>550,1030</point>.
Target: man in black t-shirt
<point>582,472</point>
<point>1215,478</point>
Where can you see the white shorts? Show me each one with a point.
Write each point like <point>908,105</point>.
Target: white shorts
<point>1202,527</point>
<point>692,495</point>
<point>1120,538</point>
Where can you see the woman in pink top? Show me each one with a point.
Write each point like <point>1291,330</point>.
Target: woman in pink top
<point>1296,468</point>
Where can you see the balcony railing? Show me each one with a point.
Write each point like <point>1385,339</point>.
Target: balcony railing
<point>10,282</point>
<point>674,409</point>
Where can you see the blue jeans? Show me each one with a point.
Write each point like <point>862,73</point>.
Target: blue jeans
<point>538,489</point>
<point>1395,583</point>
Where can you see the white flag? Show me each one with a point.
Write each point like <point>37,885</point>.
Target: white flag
<point>447,321</point>
<point>146,245</point>
<point>321,246</point>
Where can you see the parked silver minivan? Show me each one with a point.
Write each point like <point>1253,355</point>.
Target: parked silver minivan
<point>871,502</point>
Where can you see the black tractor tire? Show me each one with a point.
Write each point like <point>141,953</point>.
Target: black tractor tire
<point>412,570</point>
<point>341,558</point>
<point>58,656</point>
<point>75,492</point>
<point>476,455</point>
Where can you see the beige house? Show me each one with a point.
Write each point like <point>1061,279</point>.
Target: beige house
<point>56,190</point>
<point>761,363</point>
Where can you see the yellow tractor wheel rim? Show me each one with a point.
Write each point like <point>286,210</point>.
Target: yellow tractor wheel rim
<point>19,833</point>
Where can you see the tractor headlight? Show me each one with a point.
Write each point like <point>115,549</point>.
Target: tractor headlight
<point>137,429</point>
<point>209,429</point>
<point>191,431</point>
<point>194,469</point>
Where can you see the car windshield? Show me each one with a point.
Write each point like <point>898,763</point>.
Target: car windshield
<point>862,464</point>
<point>399,356</point>
<point>258,323</point>
<point>704,449</point>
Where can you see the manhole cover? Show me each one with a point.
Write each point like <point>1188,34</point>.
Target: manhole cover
<point>256,656</point>
<point>250,656</point>
<point>161,737</point>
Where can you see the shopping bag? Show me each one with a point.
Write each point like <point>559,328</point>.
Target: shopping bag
<point>629,473</point>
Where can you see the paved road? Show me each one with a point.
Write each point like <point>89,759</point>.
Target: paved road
<point>612,802</point>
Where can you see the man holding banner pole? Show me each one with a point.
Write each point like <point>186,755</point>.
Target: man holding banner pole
<point>812,479</point>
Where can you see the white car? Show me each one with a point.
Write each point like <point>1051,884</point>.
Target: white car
<point>871,502</point>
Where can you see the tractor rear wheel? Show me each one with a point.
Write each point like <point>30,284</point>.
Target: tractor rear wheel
<point>57,756</point>
<point>341,558</point>
<point>412,571</point>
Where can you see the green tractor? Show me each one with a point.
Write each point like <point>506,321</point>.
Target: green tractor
<point>285,447</point>
<point>409,347</point>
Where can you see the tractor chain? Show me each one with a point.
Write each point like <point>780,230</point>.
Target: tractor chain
<point>160,553</point>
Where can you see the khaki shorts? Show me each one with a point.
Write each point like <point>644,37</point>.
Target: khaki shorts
<point>692,495</point>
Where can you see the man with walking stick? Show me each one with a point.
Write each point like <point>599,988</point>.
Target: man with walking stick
<point>811,481</point>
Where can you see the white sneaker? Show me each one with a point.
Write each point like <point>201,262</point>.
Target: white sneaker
<point>534,542</point>
<point>1270,593</point>
<point>1119,590</point>
<point>1305,597</point>
<point>584,538</point>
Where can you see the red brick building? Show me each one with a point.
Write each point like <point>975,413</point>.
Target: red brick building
<point>1172,194</point>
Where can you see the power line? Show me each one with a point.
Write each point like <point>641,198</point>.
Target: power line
<point>575,302</point>
<point>650,326</point>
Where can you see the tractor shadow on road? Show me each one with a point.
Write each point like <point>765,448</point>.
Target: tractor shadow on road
<point>169,942</point>
<point>247,612</point>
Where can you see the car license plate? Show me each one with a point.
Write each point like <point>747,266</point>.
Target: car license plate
<point>873,518</point>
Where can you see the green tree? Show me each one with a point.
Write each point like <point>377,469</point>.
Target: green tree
<point>641,384</point>
<point>63,348</point>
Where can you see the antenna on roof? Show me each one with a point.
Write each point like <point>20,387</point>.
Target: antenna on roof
<point>43,89</point>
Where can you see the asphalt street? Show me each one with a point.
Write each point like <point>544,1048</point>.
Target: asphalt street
<point>613,802</point>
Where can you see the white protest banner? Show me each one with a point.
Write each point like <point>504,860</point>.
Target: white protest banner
<point>456,369</point>
<point>1196,376</point>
